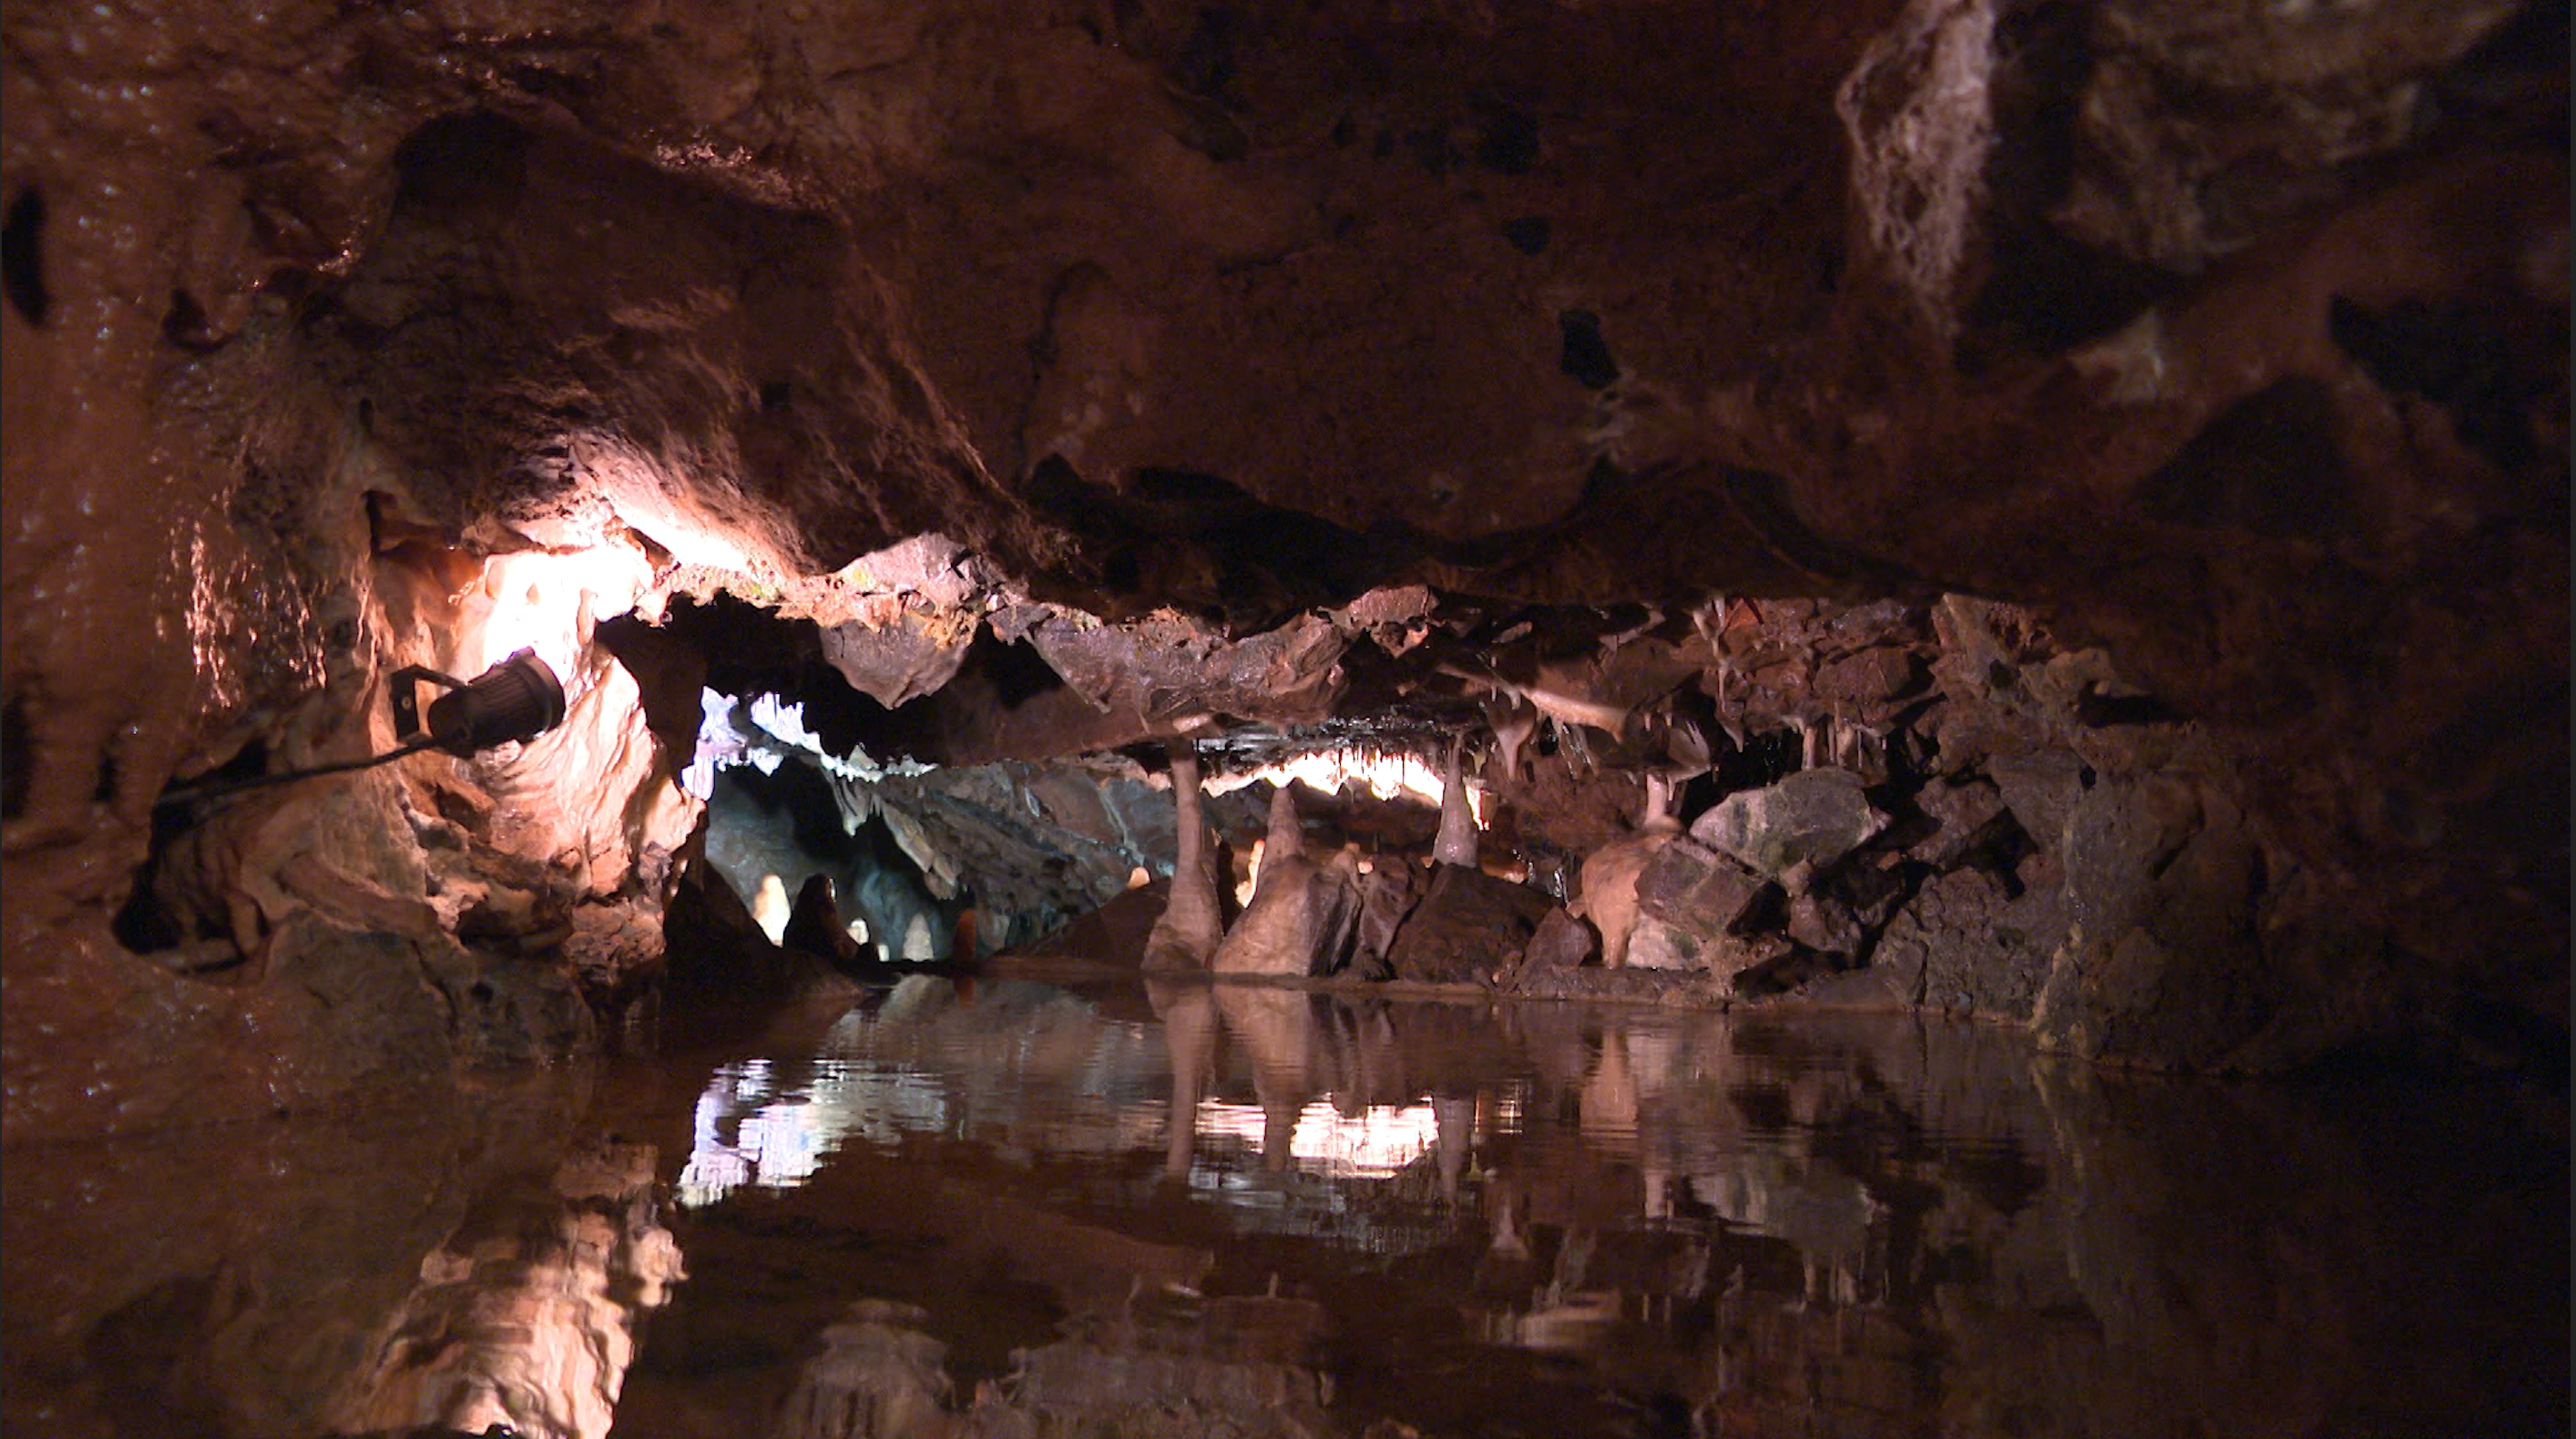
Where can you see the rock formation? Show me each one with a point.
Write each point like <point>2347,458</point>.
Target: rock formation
<point>1610,875</point>
<point>1457,842</point>
<point>1192,926</point>
<point>1969,398</point>
<point>1303,913</point>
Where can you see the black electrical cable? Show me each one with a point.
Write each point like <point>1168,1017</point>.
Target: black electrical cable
<point>191,794</point>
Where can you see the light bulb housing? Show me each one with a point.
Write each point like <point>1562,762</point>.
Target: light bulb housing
<point>517,699</point>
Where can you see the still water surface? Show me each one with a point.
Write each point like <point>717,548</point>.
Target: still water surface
<point>1025,1208</point>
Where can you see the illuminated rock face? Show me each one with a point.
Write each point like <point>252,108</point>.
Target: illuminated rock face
<point>2224,355</point>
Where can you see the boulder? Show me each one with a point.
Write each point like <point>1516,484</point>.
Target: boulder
<point>1816,815</point>
<point>1560,942</point>
<point>2042,789</point>
<point>1823,924</point>
<point>1658,944</point>
<point>1690,885</point>
<point>1692,904</point>
<point>2163,967</point>
<point>1469,928</point>
<point>1966,943</point>
<point>1870,987</point>
<point>1966,813</point>
<point>1388,894</point>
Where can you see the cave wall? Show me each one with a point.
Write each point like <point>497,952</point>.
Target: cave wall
<point>2231,341</point>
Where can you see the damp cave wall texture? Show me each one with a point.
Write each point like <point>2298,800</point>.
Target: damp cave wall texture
<point>2228,341</point>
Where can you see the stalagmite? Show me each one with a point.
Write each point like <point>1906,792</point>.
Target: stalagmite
<point>770,907</point>
<point>1191,928</point>
<point>1609,875</point>
<point>1457,840</point>
<point>917,942</point>
<point>1303,916</point>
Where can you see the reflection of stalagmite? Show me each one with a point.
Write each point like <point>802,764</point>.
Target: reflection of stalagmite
<point>1188,1013</point>
<point>1456,843</point>
<point>1359,1055</point>
<point>1456,1139</point>
<point>1303,915</point>
<point>1609,875</point>
<point>524,1320</point>
<point>1609,1098</point>
<point>877,1374</point>
<point>1277,1028</point>
<point>1507,1243</point>
<point>1190,930</point>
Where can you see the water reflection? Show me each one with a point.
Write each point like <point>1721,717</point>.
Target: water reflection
<point>525,1316</point>
<point>1178,1209</point>
<point>1731,1225</point>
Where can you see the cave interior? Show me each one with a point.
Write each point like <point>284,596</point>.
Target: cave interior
<point>1748,514</point>
<point>2055,512</point>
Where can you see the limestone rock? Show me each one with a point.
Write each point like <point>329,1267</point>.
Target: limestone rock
<point>1694,887</point>
<point>909,654</point>
<point>1560,942</point>
<point>1470,927</point>
<point>1388,894</point>
<point>2256,378</point>
<point>1865,682</point>
<point>1870,987</point>
<point>2042,789</point>
<point>1964,943</point>
<point>1963,810</point>
<point>1823,924</point>
<point>1816,815</point>
<point>2161,966</point>
<point>1659,945</point>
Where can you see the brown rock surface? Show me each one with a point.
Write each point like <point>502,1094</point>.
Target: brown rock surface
<point>1468,928</point>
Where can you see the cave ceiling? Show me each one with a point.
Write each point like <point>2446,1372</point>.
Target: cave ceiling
<point>1061,376</point>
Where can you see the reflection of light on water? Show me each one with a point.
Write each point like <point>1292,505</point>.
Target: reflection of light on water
<point>1373,1144</point>
<point>1578,1323</point>
<point>749,1131</point>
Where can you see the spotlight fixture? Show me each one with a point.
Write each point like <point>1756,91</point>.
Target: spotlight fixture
<point>517,699</point>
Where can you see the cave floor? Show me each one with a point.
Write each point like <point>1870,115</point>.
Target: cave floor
<point>962,1207</point>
